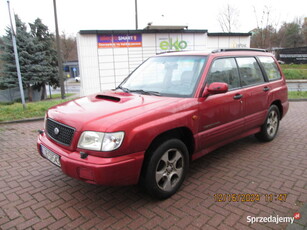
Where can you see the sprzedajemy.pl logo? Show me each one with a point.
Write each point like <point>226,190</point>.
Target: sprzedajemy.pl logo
<point>273,219</point>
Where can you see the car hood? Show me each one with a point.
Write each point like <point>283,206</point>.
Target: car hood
<point>101,112</point>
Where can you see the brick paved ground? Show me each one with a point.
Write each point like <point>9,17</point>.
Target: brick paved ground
<point>34,194</point>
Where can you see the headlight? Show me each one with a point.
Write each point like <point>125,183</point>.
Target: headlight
<point>100,141</point>
<point>112,141</point>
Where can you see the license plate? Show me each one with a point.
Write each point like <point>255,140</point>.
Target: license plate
<point>51,156</point>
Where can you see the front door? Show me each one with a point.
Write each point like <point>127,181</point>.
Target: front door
<point>221,115</point>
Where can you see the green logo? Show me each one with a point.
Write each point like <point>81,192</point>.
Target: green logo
<point>170,45</point>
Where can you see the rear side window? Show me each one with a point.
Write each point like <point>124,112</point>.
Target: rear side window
<point>250,71</point>
<point>270,68</point>
<point>224,70</point>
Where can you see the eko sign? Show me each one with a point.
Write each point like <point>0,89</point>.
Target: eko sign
<point>119,41</point>
<point>173,45</point>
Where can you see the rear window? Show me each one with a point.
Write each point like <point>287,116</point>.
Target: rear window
<point>250,71</point>
<point>270,68</point>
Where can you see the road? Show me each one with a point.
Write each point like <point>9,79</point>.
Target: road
<point>71,86</point>
<point>297,86</point>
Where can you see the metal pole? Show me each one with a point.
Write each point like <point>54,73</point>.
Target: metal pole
<point>16,59</point>
<point>136,14</point>
<point>50,91</point>
<point>60,63</point>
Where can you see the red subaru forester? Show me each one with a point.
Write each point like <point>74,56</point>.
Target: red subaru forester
<point>174,108</point>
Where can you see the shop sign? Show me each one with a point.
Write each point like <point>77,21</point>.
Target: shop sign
<point>119,41</point>
<point>173,45</point>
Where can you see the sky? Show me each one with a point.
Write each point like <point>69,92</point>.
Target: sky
<point>76,15</point>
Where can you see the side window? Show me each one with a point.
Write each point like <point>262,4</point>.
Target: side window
<point>250,71</point>
<point>270,68</point>
<point>224,70</point>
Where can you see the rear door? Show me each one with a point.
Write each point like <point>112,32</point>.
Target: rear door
<point>256,92</point>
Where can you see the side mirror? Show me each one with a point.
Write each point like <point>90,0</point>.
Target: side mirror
<point>215,88</point>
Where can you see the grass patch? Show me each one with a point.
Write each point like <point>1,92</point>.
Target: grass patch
<point>33,109</point>
<point>294,66</point>
<point>58,95</point>
<point>297,94</point>
<point>295,71</point>
<point>295,74</point>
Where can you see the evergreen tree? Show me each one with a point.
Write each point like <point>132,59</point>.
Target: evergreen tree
<point>1,61</point>
<point>37,58</point>
<point>45,69</point>
<point>24,47</point>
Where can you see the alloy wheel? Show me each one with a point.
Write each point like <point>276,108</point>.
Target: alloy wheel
<point>169,169</point>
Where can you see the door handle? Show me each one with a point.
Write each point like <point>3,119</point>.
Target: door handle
<point>265,89</point>
<point>237,96</point>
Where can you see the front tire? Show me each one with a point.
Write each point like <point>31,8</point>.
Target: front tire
<point>270,127</point>
<point>166,169</point>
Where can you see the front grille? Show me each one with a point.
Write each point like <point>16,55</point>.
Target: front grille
<point>60,132</point>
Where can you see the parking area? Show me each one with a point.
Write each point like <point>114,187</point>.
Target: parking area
<point>34,194</point>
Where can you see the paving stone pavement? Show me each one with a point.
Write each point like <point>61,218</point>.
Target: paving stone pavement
<point>34,194</point>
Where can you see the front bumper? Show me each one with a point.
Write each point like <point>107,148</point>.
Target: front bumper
<point>122,170</point>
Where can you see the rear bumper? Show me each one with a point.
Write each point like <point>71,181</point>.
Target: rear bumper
<point>123,170</point>
<point>285,108</point>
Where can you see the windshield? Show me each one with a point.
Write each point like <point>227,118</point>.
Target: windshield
<point>175,76</point>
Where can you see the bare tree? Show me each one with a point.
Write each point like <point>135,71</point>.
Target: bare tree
<point>304,30</point>
<point>291,34</point>
<point>264,34</point>
<point>228,18</point>
<point>267,36</point>
<point>69,47</point>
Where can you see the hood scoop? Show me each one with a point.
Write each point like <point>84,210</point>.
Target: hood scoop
<point>108,98</point>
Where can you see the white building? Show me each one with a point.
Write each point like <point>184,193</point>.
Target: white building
<point>106,57</point>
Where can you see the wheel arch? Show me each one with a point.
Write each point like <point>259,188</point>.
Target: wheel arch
<point>279,106</point>
<point>182,133</point>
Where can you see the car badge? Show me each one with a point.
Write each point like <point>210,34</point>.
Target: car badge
<point>56,131</point>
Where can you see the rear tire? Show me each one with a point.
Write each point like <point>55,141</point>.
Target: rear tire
<point>166,169</point>
<point>270,127</point>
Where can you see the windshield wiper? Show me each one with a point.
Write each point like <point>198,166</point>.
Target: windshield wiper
<point>141,91</point>
<point>126,90</point>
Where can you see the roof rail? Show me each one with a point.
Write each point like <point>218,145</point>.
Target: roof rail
<point>239,49</point>
<point>170,51</point>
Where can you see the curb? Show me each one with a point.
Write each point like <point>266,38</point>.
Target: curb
<point>299,99</point>
<point>296,81</point>
<point>22,121</point>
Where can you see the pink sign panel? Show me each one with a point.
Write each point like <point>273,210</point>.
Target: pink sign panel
<point>119,41</point>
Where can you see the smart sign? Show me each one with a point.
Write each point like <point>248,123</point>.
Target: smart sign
<point>119,41</point>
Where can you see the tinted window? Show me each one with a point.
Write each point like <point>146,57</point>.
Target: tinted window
<point>250,71</point>
<point>224,70</point>
<point>270,68</point>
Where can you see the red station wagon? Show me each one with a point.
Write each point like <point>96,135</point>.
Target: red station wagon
<point>174,108</point>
